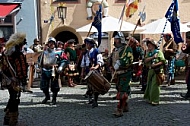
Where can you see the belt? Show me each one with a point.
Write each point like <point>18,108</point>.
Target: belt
<point>121,71</point>
<point>47,67</point>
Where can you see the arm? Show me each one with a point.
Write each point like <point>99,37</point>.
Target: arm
<point>100,62</point>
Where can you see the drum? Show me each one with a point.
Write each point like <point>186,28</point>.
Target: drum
<point>98,82</point>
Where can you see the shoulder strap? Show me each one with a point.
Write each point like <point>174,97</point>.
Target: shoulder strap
<point>13,73</point>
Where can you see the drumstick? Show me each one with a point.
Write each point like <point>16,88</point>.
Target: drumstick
<point>113,76</point>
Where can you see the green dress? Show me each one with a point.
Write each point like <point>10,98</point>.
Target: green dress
<point>152,91</point>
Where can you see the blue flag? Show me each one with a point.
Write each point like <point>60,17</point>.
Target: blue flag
<point>172,17</point>
<point>97,23</point>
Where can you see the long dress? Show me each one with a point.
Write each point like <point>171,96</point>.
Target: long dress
<point>152,91</point>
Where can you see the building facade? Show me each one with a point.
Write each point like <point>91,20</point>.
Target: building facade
<point>19,16</point>
<point>76,17</point>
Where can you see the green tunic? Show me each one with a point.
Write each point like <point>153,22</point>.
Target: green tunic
<point>152,91</point>
<point>124,79</point>
<point>73,54</point>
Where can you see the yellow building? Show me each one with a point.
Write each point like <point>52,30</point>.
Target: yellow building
<point>76,15</point>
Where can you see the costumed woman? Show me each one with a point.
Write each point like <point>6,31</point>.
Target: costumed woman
<point>155,61</point>
<point>14,67</point>
<point>71,70</point>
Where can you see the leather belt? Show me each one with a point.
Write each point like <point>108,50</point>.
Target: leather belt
<point>121,71</point>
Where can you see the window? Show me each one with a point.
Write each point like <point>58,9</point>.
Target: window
<point>6,27</point>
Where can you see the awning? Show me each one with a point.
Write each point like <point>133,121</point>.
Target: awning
<point>8,8</point>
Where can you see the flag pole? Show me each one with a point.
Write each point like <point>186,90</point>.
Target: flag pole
<point>122,15</point>
<point>89,30</point>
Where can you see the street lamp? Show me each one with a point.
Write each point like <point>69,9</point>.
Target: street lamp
<point>62,11</point>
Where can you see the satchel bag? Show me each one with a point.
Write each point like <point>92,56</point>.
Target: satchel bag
<point>157,69</point>
<point>6,82</point>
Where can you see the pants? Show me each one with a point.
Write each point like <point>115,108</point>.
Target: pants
<point>14,100</point>
<point>171,69</point>
<point>45,81</point>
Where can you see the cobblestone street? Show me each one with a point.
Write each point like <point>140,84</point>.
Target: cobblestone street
<point>72,108</point>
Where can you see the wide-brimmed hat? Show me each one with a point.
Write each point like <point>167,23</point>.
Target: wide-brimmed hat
<point>91,41</point>
<point>151,41</point>
<point>70,41</point>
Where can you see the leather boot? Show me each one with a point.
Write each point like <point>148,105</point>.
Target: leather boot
<point>126,108</point>
<point>186,96</point>
<point>172,82</point>
<point>90,99</point>
<point>118,113</point>
<point>95,103</point>
<point>70,82</point>
<point>6,117</point>
<point>47,97</point>
<point>13,118</point>
<point>54,98</point>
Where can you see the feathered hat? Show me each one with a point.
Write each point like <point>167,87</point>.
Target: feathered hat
<point>15,39</point>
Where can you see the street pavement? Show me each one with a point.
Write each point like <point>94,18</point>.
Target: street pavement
<point>72,108</point>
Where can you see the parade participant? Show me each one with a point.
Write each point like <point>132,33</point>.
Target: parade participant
<point>2,48</point>
<point>71,70</point>
<point>106,68</point>
<point>62,60</point>
<point>85,64</point>
<point>60,45</point>
<point>49,61</point>
<point>138,54</point>
<point>121,60</point>
<point>96,61</point>
<point>14,67</point>
<point>143,79</point>
<point>36,47</point>
<point>170,50</point>
<point>187,95</point>
<point>155,61</point>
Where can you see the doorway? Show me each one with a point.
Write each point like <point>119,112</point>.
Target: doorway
<point>64,36</point>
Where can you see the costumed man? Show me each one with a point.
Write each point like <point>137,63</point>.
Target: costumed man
<point>36,47</point>
<point>155,61</point>
<point>96,61</point>
<point>14,67</point>
<point>138,54</point>
<point>85,68</point>
<point>90,4</point>
<point>121,60</point>
<point>49,61</point>
<point>143,79</point>
<point>186,49</point>
<point>170,50</point>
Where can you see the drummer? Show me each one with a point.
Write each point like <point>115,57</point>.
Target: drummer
<point>94,61</point>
